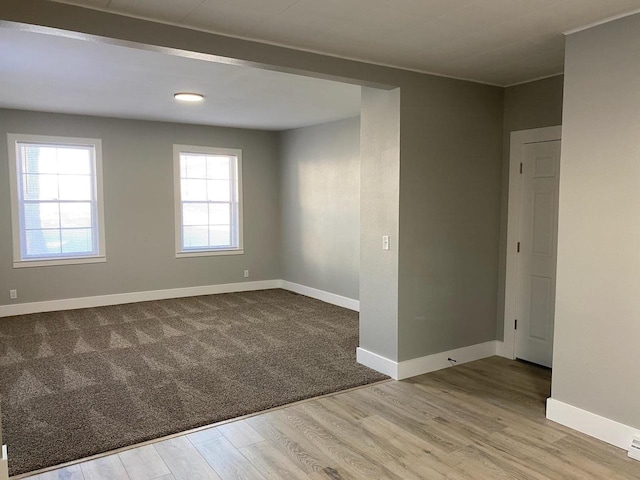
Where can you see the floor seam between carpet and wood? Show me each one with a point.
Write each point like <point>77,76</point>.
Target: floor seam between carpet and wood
<point>194,430</point>
<point>77,383</point>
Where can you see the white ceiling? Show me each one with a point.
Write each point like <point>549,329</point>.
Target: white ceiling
<point>501,42</point>
<point>49,73</point>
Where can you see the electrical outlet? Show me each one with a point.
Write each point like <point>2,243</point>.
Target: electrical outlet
<point>246,274</point>
<point>13,294</point>
<point>385,242</point>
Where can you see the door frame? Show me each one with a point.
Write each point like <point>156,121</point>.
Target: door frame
<point>519,139</point>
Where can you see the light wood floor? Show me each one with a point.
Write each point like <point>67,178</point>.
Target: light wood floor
<point>481,420</point>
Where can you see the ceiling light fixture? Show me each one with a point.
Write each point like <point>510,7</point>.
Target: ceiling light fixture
<point>188,97</point>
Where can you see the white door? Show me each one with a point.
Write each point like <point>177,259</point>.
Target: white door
<point>537,252</point>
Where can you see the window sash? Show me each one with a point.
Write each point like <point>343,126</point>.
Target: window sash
<point>233,201</point>
<point>77,235</point>
<point>21,148</point>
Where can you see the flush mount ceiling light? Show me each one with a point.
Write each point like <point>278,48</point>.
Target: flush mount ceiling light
<point>188,97</point>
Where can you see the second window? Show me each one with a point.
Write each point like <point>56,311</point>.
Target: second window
<point>208,191</point>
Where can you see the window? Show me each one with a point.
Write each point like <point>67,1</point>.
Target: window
<point>56,200</point>
<point>208,194</point>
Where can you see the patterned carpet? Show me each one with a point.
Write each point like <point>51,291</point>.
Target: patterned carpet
<point>81,382</point>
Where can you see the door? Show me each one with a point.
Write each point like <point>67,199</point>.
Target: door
<point>537,252</point>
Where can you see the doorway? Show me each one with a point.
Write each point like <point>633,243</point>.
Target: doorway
<point>532,237</point>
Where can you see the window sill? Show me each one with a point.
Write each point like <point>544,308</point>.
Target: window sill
<point>57,261</point>
<point>210,253</point>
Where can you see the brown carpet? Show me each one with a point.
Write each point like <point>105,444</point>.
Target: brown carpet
<point>81,382</point>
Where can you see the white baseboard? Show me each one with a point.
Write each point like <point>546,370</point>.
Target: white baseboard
<point>4,464</point>
<point>120,298</point>
<point>503,351</point>
<point>328,297</point>
<point>429,363</point>
<point>377,362</point>
<point>438,361</point>
<point>602,428</point>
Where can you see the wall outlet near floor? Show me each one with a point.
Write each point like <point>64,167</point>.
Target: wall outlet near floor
<point>13,294</point>
<point>385,242</point>
<point>246,274</point>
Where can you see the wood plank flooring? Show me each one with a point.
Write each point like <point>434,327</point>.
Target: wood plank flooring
<point>481,420</point>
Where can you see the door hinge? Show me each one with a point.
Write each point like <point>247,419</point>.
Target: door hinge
<point>518,247</point>
<point>515,327</point>
<point>520,167</point>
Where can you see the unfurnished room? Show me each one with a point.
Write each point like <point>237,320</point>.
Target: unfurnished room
<point>310,239</point>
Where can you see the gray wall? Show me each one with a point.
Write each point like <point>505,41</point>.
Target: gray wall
<point>379,207</point>
<point>444,124</point>
<point>533,105</point>
<point>450,174</point>
<point>530,105</point>
<point>320,206</point>
<point>597,327</point>
<point>139,209</point>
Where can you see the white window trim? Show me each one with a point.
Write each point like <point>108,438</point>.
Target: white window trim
<point>18,261</point>
<point>177,149</point>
